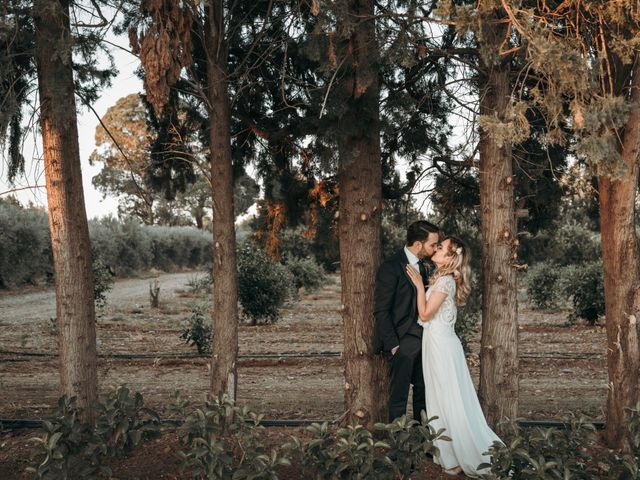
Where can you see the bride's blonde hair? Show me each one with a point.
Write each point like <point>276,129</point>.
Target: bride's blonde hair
<point>458,267</point>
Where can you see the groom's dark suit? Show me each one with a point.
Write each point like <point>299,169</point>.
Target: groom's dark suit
<point>396,316</point>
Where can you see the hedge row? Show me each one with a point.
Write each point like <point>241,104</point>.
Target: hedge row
<point>125,247</point>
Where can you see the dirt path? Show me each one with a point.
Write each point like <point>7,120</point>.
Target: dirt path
<point>38,305</point>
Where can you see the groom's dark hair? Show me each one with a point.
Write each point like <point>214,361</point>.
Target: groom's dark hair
<point>419,231</point>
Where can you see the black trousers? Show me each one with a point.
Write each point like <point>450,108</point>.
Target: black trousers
<point>406,370</point>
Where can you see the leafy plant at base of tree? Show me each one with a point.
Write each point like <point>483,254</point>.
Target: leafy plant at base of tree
<point>222,442</point>
<point>549,453</point>
<point>124,422</point>
<point>348,453</point>
<point>390,451</point>
<point>102,280</point>
<point>198,332</point>
<point>410,442</point>
<point>629,464</point>
<point>70,449</point>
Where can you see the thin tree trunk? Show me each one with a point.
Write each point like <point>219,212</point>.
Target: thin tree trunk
<point>499,344</point>
<point>75,308</point>
<point>622,279</point>
<point>225,286</point>
<point>360,178</point>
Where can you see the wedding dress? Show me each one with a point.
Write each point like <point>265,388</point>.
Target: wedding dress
<point>450,393</point>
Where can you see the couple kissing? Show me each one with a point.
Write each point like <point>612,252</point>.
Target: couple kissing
<point>415,314</point>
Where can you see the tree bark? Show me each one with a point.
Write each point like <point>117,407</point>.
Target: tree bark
<point>224,373</point>
<point>498,391</point>
<point>622,278</point>
<point>75,308</point>
<point>360,180</point>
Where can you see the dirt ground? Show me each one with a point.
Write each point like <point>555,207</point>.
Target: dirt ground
<point>563,368</point>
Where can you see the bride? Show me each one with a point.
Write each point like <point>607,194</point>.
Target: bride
<point>450,394</point>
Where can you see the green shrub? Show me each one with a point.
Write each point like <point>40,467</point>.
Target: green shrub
<point>200,282</point>
<point>263,285</point>
<point>25,246</point>
<point>70,449</point>
<point>629,463</point>
<point>541,282</point>
<point>222,441</point>
<point>124,422</point>
<point>128,247</point>
<point>584,283</point>
<point>198,332</point>
<point>348,453</point>
<point>409,442</point>
<point>124,246</point>
<point>541,453</point>
<point>562,244</point>
<point>102,280</point>
<point>306,273</point>
<point>573,243</point>
<point>354,452</point>
<point>295,244</point>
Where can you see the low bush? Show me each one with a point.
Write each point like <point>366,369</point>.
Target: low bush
<point>294,243</point>
<point>305,272</point>
<point>353,452</point>
<point>222,441</point>
<point>572,452</point>
<point>198,331</point>
<point>25,246</point>
<point>72,449</point>
<point>541,282</point>
<point>69,449</point>
<point>102,280</point>
<point>124,422</point>
<point>263,285</point>
<point>584,284</point>
<point>118,247</point>
<point>546,453</point>
<point>200,282</point>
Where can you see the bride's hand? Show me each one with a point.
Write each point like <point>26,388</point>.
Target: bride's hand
<point>415,277</point>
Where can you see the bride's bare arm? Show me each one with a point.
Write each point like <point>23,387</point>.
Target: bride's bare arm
<point>426,309</point>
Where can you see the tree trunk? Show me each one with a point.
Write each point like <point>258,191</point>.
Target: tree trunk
<point>360,178</point>
<point>622,279</point>
<point>225,286</point>
<point>499,344</point>
<point>75,308</point>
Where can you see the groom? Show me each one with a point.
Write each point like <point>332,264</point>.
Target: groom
<point>397,334</point>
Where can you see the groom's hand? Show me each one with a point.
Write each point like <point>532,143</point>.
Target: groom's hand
<point>394,350</point>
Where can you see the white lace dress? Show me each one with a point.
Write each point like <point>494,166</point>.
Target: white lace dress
<point>450,393</point>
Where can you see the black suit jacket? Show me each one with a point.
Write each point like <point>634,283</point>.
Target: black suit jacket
<point>395,307</point>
